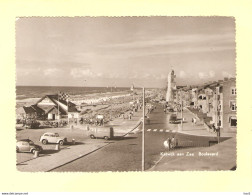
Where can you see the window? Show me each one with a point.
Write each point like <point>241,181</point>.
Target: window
<point>233,121</point>
<point>233,91</point>
<point>233,105</point>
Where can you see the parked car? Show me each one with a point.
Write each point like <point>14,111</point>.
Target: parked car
<point>27,145</point>
<point>105,133</point>
<point>52,138</point>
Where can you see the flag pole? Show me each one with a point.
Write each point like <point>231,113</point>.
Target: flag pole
<point>143,130</point>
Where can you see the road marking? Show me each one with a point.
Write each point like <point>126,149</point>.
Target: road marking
<point>148,129</point>
<point>155,130</point>
<point>161,130</point>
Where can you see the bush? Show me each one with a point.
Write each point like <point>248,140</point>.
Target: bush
<point>32,123</point>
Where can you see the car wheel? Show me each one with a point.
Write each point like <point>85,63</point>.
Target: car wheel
<point>106,137</point>
<point>44,141</point>
<point>61,142</point>
<point>92,136</point>
<point>17,149</point>
<point>33,151</point>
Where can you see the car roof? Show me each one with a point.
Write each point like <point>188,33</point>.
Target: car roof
<point>50,133</point>
<point>24,140</point>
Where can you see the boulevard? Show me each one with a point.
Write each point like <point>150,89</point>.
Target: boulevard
<point>124,154</point>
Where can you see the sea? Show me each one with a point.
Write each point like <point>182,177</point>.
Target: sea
<point>25,92</point>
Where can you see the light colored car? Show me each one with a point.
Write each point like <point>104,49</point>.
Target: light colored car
<point>105,133</point>
<point>27,145</point>
<point>52,138</point>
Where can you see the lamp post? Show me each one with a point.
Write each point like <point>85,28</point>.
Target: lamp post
<point>67,112</point>
<point>58,106</point>
<point>143,130</point>
<point>181,110</point>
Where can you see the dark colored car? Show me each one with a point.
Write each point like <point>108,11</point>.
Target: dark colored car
<point>173,119</point>
<point>27,145</point>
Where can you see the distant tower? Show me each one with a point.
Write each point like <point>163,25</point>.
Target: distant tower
<point>132,87</point>
<point>171,86</point>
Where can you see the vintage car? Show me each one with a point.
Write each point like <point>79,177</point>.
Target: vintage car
<point>173,119</point>
<point>27,145</point>
<point>52,138</point>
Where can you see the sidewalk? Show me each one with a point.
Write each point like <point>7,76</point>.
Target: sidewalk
<point>223,158</point>
<point>199,129</point>
<point>123,126</point>
<point>49,162</point>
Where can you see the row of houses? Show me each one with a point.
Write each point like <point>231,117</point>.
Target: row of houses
<point>49,107</point>
<point>216,101</point>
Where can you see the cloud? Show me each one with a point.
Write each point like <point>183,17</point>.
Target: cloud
<point>51,71</point>
<point>80,72</point>
<point>182,74</point>
<point>206,75</point>
<point>211,74</point>
<point>227,74</point>
<point>114,75</point>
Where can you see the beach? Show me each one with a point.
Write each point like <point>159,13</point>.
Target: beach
<point>109,104</point>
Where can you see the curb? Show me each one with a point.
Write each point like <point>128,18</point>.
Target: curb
<point>77,158</point>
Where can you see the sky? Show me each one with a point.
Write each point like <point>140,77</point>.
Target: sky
<point>121,51</point>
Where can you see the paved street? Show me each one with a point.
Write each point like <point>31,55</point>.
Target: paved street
<point>124,154</point>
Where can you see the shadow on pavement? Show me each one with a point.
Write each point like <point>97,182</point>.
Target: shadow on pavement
<point>122,138</point>
<point>72,144</point>
<point>49,152</point>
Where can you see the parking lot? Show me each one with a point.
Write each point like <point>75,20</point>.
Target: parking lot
<point>79,136</point>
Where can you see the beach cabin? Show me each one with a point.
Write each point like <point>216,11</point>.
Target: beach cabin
<point>50,107</point>
<point>55,107</point>
<point>29,112</point>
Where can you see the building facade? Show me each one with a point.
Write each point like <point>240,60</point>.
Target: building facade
<point>229,120</point>
<point>216,101</point>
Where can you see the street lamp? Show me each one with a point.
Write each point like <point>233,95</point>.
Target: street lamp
<point>143,136</point>
<point>143,130</point>
<point>181,109</point>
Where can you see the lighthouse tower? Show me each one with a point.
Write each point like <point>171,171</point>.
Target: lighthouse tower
<point>171,87</point>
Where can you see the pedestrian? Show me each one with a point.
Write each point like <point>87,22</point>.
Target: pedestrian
<point>192,121</point>
<point>195,121</point>
<point>173,142</point>
<point>148,120</point>
<point>167,143</point>
<point>214,129</point>
<point>218,133</point>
